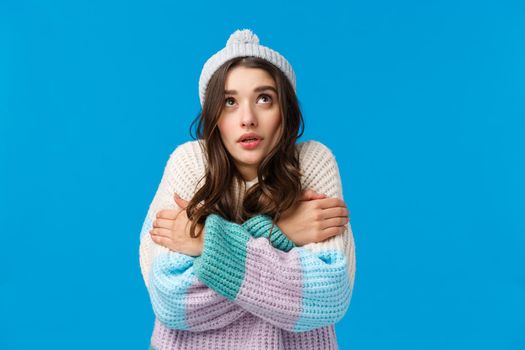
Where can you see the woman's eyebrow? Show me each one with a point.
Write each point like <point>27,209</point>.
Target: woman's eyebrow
<point>257,89</point>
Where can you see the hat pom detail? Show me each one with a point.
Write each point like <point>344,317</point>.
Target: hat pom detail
<point>241,37</point>
<point>242,43</point>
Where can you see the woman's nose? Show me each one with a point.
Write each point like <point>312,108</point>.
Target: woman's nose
<point>248,116</point>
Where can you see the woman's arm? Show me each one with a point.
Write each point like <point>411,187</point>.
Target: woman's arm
<point>297,290</point>
<point>178,298</point>
<point>170,272</point>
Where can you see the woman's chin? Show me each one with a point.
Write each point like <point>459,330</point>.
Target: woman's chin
<point>252,160</point>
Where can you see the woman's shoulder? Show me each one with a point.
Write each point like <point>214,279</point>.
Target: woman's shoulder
<point>189,153</point>
<point>187,166</point>
<point>317,163</point>
<point>190,156</point>
<point>312,151</point>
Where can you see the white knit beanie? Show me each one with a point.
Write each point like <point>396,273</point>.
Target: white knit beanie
<point>242,43</point>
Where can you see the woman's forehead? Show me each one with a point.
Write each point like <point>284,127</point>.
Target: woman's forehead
<point>248,79</point>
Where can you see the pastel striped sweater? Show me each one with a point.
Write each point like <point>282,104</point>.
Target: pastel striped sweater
<point>245,291</point>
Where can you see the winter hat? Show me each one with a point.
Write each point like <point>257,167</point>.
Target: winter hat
<point>242,43</point>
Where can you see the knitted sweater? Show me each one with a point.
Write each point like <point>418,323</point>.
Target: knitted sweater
<point>245,291</point>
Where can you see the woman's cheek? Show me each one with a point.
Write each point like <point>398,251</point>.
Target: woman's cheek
<point>226,132</point>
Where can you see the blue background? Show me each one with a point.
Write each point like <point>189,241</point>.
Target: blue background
<point>422,102</point>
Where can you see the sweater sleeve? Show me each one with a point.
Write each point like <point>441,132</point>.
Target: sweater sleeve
<point>295,289</point>
<point>179,299</point>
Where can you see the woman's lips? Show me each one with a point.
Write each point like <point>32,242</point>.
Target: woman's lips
<point>250,144</point>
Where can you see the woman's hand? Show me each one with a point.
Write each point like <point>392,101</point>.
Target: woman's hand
<point>171,229</point>
<point>314,218</point>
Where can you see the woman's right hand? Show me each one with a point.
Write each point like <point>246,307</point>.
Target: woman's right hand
<point>314,218</point>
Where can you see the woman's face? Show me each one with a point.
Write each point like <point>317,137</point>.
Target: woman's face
<point>250,106</point>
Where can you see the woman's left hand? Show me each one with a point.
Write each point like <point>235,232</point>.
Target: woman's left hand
<point>171,229</point>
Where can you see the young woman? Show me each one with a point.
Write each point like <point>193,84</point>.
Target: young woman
<point>247,242</point>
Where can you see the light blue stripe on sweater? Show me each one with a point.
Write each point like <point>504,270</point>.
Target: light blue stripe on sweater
<point>326,288</point>
<point>170,278</point>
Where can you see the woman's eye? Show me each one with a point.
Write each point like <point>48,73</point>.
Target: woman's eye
<point>268,97</point>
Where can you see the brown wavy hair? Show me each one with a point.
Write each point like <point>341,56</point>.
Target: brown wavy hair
<point>279,176</point>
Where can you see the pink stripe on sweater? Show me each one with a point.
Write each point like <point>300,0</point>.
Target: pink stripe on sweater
<point>247,333</point>
<point>263,289</point>
<point>219,310</point>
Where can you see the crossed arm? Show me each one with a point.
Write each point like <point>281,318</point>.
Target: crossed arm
<point>293,288</point>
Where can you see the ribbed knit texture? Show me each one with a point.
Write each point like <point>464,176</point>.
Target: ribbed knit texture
<point>245,291</point>
<point>243,43</point>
